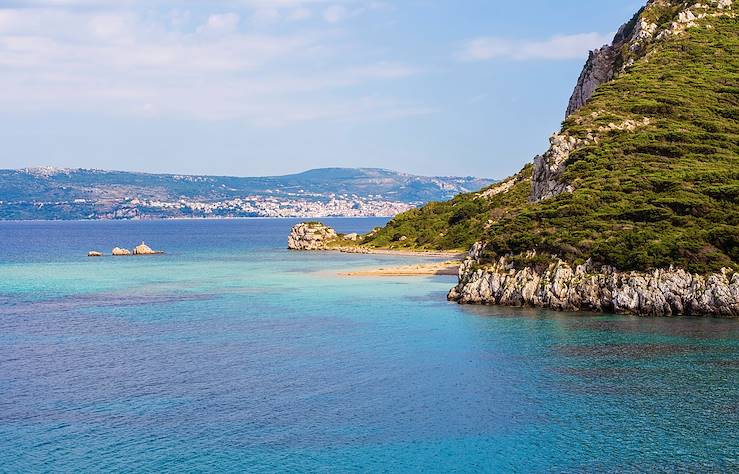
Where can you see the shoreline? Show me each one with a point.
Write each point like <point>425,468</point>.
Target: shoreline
<point>448,254</point>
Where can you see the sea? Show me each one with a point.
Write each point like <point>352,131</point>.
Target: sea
<point>232,354</point>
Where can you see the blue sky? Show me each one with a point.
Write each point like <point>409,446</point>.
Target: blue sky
<point>259,87</point>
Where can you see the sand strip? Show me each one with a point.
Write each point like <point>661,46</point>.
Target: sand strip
<point>421,269</point>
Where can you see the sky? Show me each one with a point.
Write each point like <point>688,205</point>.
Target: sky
<point>269,87</point>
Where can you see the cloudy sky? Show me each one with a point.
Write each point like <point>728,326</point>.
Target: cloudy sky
<point>257,87</point>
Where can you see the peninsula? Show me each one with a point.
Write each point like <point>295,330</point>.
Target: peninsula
<point>635,206</point>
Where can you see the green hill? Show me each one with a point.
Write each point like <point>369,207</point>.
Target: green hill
<point>644,173</point>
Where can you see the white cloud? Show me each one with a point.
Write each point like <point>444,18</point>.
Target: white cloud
<point>335,13</point>
<point>221,23</point>
<point>558,47</point>
<point>164,65</point>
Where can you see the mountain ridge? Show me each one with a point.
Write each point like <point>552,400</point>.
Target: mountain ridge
<point>79,193</point>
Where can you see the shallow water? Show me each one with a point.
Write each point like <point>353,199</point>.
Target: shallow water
<point>231,353</point>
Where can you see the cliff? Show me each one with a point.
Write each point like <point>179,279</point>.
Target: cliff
<point>658,22</point>
<point>559,286</point>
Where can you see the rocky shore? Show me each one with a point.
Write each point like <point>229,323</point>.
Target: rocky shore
<point>311,236</point>
<point>559,286</point>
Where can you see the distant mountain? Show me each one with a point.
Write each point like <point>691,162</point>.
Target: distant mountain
<point>55,193</point>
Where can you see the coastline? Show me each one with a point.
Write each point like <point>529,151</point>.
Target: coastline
<point>563,287</point>
<point>448,254</point>
<point>557,286</point>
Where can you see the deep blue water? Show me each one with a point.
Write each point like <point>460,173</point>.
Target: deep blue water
<point>232,354</point>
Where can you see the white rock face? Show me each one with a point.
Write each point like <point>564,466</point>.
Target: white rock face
<point>668,292</point>
<point>310,236</point>
<point>119,252</point>
<point>546,181</point>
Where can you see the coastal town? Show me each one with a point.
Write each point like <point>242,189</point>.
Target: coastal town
<point>296,205</point>
<point>310,205</point>
<point>87,194</point>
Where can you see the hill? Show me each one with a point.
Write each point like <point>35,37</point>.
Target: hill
<point>51,193</point>
<point>644,173</point>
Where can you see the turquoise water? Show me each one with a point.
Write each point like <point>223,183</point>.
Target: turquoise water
<point>232,354</point>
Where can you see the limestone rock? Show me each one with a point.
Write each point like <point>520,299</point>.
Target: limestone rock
<point>94,253</point>
<point>310,236</point>
<point>664,292</point>
<point>547,181</point>
<point>143,249</point>
<point>119,252</point>
<point>353,237</point>
<point>601,66</point>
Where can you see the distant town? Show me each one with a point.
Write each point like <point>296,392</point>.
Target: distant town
<point>313,205</point>
<point>62,194</point>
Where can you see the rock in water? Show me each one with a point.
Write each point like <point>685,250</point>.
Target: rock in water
<point>310,236</point>
<point>144,249</point>
<point>559,286</point>
<point>94,253</point>
<point>119,252</point>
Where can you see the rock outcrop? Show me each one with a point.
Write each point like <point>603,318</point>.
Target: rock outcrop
<point>119,252</point>
<point>143,249</point>
<point>94,253</point>
<point>600,68</point>
<point>546,181</point>
<point>559,286</point>
<point>310,236</point>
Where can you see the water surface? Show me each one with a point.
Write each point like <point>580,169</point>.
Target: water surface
<point>232,354</point>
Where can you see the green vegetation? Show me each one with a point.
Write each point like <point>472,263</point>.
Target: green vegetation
<point>664,194</point>
<point>455,224</point>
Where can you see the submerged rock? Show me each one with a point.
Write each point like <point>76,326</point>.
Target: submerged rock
<point>310,236</point>
<point>558,286</point>
<point>144,249</point>
<point>94,253</point>
<point>119,252</point>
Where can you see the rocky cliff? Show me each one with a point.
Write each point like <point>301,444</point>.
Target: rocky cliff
<point>631,43</point>
<point>559,286</point>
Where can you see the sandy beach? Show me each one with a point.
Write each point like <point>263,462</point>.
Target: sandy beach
<point>421,269</point>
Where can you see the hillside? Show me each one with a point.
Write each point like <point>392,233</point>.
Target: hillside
<point>644,173</point>
<point>49,193</point>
